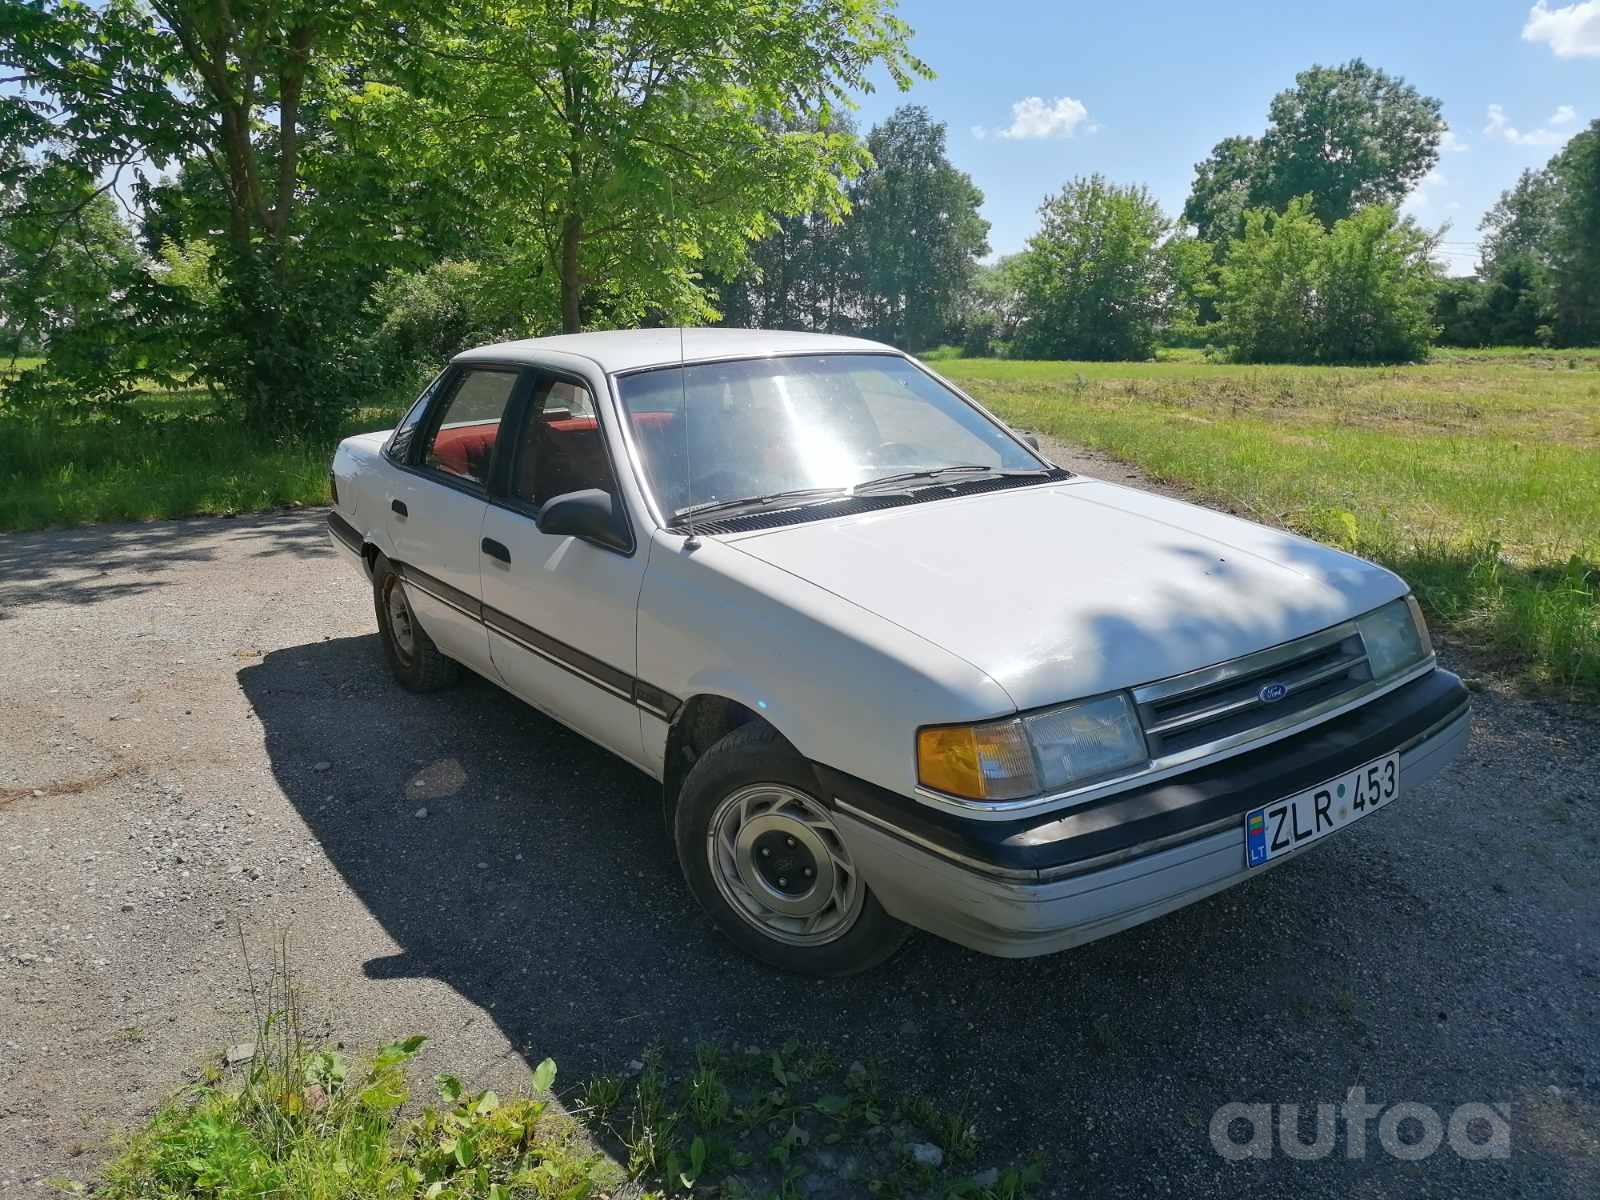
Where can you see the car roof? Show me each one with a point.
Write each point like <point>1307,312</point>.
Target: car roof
<point>631,349</point>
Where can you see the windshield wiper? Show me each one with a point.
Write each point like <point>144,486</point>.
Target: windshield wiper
<point>743,503</point>
<point>936,473</point>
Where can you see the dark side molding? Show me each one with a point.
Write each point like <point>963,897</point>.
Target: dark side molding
<point>656,701</point>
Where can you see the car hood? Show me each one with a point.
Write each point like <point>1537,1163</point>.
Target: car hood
<point>1078,587</point>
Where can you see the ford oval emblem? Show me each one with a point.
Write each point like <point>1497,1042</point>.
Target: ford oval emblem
<point>1273,692</point>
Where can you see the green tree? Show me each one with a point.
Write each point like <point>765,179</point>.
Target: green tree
<point>1517,306</point>
<point>626,146</point>
<point>122,88</point>
<point>1521,221</point>
<point>1194,286</point>
<point>1095,282</point>
<point>799,275</point>
<point>993,307</point>
<point>1296,291</point>
<point>67,258</point>
<point>1346,136</point>
<point>1516,303</point>
<point>1378,283</point>
<point>1223,185</point>
<point>1574,241</point>
<point>917,235</point>
<point>1269,287</point>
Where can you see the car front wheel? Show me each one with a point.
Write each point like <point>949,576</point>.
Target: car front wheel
<point>765,860</point>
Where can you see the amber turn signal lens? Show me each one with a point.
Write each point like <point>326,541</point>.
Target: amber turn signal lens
<point>947,761</point>
<point>977,762</point>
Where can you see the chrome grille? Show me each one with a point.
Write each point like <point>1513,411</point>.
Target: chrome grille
<point>1224,704</point>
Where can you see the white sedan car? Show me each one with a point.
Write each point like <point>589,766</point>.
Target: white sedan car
<point>891,666</point>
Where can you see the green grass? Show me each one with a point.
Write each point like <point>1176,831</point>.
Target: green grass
<point>301,1121</point>
<point>1476,476</point>
<point>168,458</point>
<point>22,363</point>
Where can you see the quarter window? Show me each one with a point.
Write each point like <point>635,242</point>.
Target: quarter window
<point>463,438</point>
<point>400,442</point>
<point>563,449</point>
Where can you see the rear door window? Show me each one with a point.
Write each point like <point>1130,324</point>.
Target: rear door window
<point>461,444</point>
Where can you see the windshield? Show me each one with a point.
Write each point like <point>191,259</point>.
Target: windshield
<point>764,427</point>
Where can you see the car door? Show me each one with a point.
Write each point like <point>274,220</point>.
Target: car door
<point>560,610</point>
<point>437,504</point>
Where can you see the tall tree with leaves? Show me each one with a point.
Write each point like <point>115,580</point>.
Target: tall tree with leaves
<point>628,145</point>
<point>1574,250</point>
<point>1224,182</point>
<point>1346,136</point>
<point>67,259</point>
<point>124,87</point>
<point>1095,281</point>
<point>1521,221</point>
<point>917,233</point>
<point>798,276</point>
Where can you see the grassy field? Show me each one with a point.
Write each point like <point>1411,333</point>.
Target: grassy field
<point>1476,476</point>
<point>168,459</point>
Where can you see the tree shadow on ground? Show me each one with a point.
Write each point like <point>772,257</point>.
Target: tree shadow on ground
<point>90,563</point>
<point>542,888</point>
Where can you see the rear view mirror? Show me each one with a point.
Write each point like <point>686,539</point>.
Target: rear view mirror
<point>593,515</point>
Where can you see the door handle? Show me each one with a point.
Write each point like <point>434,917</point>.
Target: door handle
<point>496,549</point>
<point>398,507</point>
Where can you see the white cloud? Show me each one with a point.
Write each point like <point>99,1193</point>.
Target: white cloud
<point>1571,32</point>
<point>1035,117</point>
<point>1499,126</point>
<point>1451,144</point>
<point>1564,114</point>
<point>1422,195</point>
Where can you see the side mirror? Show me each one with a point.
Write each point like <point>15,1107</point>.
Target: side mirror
<point>591,514</point>
<point>1031,438</point>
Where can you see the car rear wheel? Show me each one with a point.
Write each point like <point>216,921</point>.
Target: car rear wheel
<point>764,859</point>
<point>414,659</point>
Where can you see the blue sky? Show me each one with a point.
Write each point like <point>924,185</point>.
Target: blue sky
<point>1141,91</point>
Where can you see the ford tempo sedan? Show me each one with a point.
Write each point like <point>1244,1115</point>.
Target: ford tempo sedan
<point>891,666</point>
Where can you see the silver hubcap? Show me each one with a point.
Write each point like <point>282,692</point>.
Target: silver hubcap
<point>781,865</point>
<point>400,627</point>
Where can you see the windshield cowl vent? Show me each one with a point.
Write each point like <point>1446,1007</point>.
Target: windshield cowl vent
<point>850,506</point>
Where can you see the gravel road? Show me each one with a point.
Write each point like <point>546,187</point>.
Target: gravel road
<point>198,736</point>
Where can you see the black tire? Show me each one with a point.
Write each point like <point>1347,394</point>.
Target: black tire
<point>421,667</point>
<point>756,754</point>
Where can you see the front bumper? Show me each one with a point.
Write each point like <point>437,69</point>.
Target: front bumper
<point>1053,884</point>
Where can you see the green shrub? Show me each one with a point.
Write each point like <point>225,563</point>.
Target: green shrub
<point>1295,291</point>
<point>426,317</point>
<point>1095,281</point>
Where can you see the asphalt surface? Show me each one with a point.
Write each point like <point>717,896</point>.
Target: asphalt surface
<point>198,738</point>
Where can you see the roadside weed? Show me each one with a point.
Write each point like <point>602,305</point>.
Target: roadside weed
<point>308,1121</point>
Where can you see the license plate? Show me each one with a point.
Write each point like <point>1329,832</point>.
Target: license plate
<point>1275,829</point>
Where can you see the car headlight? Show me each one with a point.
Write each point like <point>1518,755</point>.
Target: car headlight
<point>1396,637</point>
<point>1046,751</point>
